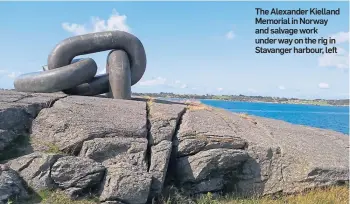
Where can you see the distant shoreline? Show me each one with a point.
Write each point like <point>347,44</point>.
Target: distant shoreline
<point>251,99</point>
<point>277,102</point>
<point>243,98</point>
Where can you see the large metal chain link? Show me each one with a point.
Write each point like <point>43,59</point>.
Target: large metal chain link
<point>126,64</point>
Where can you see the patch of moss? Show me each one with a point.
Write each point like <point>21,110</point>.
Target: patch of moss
<point>51,148</point>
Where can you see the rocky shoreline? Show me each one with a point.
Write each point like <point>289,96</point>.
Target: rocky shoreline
<point>128,151</point>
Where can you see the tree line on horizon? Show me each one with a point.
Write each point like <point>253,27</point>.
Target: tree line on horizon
<point>244,98</point>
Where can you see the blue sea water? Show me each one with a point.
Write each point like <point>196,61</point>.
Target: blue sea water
<point>326,117</point>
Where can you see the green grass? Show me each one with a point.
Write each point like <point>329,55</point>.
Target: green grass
<point>56,197</point>
<point>50,147</point>
<point>330,195</point>
<point>53,149</point>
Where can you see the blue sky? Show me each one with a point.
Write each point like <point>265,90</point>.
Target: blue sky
<point>191,47</point>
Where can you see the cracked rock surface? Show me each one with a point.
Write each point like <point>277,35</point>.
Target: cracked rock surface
<point>110,151</point>
<point>35,169</point>
<point>123,150</point>
<point>208,151</point>
<point>17,110</point>
<point>76,119</point>
<point>126,183</point>
<point>287,157</point>
<point>75,174</point>
<point>163,121</point>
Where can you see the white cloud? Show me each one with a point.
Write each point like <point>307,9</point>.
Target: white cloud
<point>281,87</point>
<point>114,22</point>
<point>219,89</point>
<point>153,82</point>
<point>338,60</point>
<point>230,35</point>
<point>177,84</point>
<point>165,83</point>
<point>74,28</point>
<point>341,37</point>
<point>183,86</point>
<point>12,75</point>
<point>9,74</point>
<point>323,86</point>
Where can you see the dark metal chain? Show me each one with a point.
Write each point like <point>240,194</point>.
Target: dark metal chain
<point>126,64</point>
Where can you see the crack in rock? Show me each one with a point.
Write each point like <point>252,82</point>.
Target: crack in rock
<point>35,169</point>
<point>164,120</point>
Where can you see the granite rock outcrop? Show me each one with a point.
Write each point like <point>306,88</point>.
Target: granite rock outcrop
<point>128,151</point>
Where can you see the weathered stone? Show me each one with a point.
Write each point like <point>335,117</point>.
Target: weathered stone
<point>206,124</point>
<point>283,157</point>
<point>205,129</point>
<point>6,137</point>
<point>11,186</point>
<point>126,183</point>
<point>160,155</point>
<point>76,119</point>
<point>207,165</point>
<point>76,174</point>
<point>163,119</point>
<point>110,151</point>
<point>208,151</point>
<point>35,169</point>
<point>301,157</point>
<point>210,185</point>
<point>193,146</point>
<point>214,149</point>
<point>17,110</point>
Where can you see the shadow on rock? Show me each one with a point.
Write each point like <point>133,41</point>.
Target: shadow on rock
<point>18,147</point>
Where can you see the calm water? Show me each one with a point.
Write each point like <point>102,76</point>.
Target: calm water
<point>327,117</point>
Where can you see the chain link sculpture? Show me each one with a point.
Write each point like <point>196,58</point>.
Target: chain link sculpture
<point>126,64</point>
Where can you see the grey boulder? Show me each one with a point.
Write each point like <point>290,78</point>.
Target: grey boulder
<point>110,151</point>
<point>75,174</point>
<point>35,169</point>
<point>11,186</point>
<point>76,119</point>
<point>206,170</point>
<point>126,183</point>
<point>282,157</point>
<point>17,111</point>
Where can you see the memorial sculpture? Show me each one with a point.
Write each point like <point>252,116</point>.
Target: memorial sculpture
<point>126,64</point>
